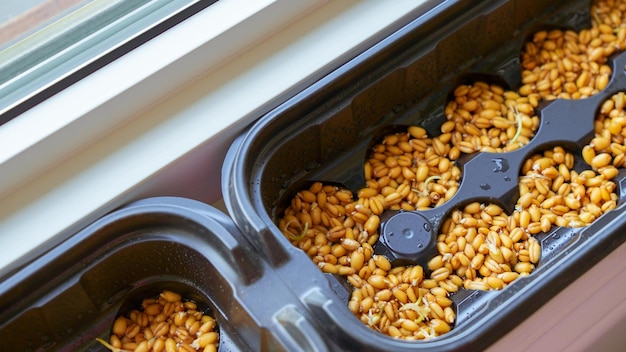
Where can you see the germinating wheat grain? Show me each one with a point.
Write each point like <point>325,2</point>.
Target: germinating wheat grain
<point>165,323</point>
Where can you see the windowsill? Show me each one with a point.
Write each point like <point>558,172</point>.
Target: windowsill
<point>233,29</point>
<point>161,122</point>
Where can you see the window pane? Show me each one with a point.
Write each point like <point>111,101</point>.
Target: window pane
<point>54,43</point>
<point>18,18</point>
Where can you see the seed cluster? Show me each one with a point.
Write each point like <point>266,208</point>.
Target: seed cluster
<point>607,149</point>
<point>338,232</point>
<point>490,249</point>
<point>166,323</point>
<point>486,118</point>
<point>410,171</point>
<point>480,246</point>
<point>569,65</point>
<point>552,193</point>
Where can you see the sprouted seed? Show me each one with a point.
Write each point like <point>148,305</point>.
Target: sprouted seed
<point>293,236</point>
<point>518,131</point>
<point>429,180</point>
<point>108,345</point>
<point>165,323</point>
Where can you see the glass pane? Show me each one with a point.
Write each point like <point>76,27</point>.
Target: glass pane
<point>53,43</point>
<point>18,18</point>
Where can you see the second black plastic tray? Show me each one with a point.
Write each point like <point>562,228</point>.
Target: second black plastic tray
<point>71,295</point>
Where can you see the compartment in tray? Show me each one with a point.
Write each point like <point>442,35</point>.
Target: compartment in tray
<point>72,295</point>
<point>326,133</point>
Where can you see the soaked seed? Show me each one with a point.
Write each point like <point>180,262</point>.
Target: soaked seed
<point>534,250</point>
<point>382,262</point>
<point>440,274</point>
<point>371,226</point>
<point>377,281</point>
<point>350,244</point>
<point>417,132</point>
<point>524,267</point>
<point>435,263</point>
<point>508,277</point>
<point>472,208</point>
<point>588,154</point>
<point>494,282</point>
<point>476,285</point>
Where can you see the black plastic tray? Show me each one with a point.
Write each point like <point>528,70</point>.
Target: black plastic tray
<point>323,134</point>
<point>71,295</point>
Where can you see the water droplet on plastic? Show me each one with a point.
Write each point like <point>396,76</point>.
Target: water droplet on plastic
<point>485,186</point>
<point>501,164</point>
